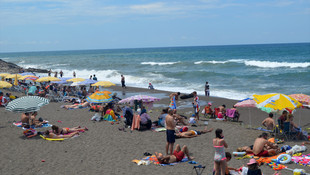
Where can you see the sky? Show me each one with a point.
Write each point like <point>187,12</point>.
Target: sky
<point>47,25</point>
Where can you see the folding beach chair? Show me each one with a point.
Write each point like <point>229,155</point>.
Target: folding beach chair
<point>199,169</point>
<point>231,114</point>
<point>288,134</point>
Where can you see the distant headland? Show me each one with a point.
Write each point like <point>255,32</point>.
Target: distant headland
<point>8,67</point>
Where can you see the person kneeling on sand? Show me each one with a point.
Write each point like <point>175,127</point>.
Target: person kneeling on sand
<point>192,133</point>
<point>177,156</point>
<point>262,147</point>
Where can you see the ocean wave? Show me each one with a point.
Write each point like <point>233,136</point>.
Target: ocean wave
<point>220,62</point>
<point>159,63</point>
<point>270,64</point>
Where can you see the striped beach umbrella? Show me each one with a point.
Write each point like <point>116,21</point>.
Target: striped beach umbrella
<point>99,97</point>
<point>27,104</point>
<point>302,98</point>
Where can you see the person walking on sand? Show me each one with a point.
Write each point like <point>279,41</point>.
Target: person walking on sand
<point>219,156</point>
<point>170,132</point>
<point>74,74</point>
<point>196,105</point>
<point>173,104</point>
<point>207,89</point>
<point>123,81</point>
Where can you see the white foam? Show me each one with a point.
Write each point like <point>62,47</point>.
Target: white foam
<point>160,63</point>
<point>270,64</point>
<point>220,62</point>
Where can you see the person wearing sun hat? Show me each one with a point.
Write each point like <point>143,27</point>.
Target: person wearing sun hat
<point>253,168</point>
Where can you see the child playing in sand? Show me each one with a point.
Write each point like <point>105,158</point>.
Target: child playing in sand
<point>219,157</point>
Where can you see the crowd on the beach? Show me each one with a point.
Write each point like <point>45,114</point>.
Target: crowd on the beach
<point>136,117</point>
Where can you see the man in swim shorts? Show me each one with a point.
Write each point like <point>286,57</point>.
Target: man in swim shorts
<point>177,156</point>
<point>170,131</point>
<point>262,147</point>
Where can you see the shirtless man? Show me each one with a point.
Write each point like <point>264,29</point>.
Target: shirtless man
<point>25,119</point>
<point>260,146</point>
<point>269,122</point>
<point>170,131</point>
<point>177,156</point>
<point>192,133</point>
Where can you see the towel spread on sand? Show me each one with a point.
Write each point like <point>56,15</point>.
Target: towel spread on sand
<point>154,160</point>
<point>19,124</point>
<point>161,129</point>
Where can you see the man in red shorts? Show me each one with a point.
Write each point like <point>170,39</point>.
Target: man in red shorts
<point>262,147</point>
<point>177,156</point>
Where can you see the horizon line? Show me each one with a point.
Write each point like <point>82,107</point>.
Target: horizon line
<point>152,47</point>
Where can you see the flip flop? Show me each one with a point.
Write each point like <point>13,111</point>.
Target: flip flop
<point>147,154</point>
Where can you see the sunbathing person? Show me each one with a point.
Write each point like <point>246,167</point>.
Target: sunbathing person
<point>192,133</point>
<point>76,106</point>
<point>262,147</point>
<point>177,156</point>
<point>49,134</point>
<point>247,149</point>
<point>57,130</point>
<point>25,119</point>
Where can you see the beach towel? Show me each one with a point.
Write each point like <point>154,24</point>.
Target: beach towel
<point>161,129</point>
<point>263,129</point>
<point>267,159</point>
<point>230,113</point>
<point>173,104</point>
<point>135,122</point>
<point>19,124</point>
<point>154,160</point>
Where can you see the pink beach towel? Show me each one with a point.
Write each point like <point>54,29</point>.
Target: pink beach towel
<point>230,113</point>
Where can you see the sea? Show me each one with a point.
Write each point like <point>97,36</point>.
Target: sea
<point>232,71</point>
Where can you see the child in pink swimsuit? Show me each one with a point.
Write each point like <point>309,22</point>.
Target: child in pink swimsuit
<point>219,156</point>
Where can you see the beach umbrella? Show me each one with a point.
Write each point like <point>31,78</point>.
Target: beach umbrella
<point>27,73</point>
<point>45,79</point>
<point>15,81</point>
<point>144,98</point>
<point>4,75</point>
<point>75,84</point>
<point>13,76</point>
<point>302,98</point>
<point>99,97</point>
<point>76,79</point>
<point>26,104</point>
<point>4,84</point>
<point>86,82</point>
<point>63,80</point>
<point>104,84</point>
<point>276,101</point>
<point>30,77</point>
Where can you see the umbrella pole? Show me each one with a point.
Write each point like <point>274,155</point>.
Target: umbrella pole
<point>250,117</point>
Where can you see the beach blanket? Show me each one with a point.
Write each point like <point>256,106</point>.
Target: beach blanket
<point>161,129</point>
<point>19,124</point>
<point>263,129</point>
<point>153,159</point>
<point>267,159</point>
<point>301,159</point>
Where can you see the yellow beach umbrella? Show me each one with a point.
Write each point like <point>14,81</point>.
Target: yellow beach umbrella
<point>4,75</point>
<point>15,81</point>
<point>276,101</point>
<point>76,79</point>
<point>44,79</point>
<point>26,76</point>
<point>13,76</point>
<point>104,84</point>
<point>4,84</point>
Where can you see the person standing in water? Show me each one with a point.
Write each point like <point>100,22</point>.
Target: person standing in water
<point>207,89</point>
<point>61,73</point>
<point>74,74</point>
<point>123,81</point>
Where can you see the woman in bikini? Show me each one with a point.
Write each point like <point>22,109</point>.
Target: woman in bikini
<point>219,156</point>
<point>57,130</point>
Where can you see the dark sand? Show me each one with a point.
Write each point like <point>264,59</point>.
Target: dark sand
<point>106,150</point>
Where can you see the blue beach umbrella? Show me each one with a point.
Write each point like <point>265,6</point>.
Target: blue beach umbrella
<point>27,73</point>
<point>86,82</point>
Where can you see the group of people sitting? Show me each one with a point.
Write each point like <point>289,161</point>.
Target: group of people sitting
<point>29,120</point>
<point>221,112</point>
<point>284,120</point>
<point>6,98</point>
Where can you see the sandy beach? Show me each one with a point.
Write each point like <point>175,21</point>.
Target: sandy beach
<point>106,150</point>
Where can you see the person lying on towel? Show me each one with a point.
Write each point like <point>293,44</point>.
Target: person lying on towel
<point>177,156</point>
<point>192,133</point>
